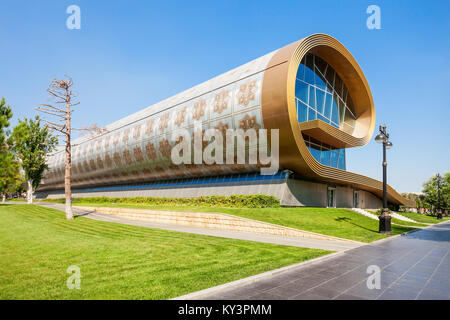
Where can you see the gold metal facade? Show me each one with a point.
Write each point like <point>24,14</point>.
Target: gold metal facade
<point>279,111</point>
<point>259,94</point>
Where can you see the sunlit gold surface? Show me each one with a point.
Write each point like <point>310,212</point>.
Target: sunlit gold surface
<point>279,112</point>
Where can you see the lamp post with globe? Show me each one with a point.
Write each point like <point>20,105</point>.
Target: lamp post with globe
<point>385,218</point>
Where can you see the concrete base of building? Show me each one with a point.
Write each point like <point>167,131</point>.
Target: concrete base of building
<point>290,191</point>
<point>315,194</point>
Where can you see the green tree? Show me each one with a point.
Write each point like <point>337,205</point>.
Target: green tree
<point>32,143</point>
<point>414,197</point>
<point>5,115</point>
<point>10,177</point>
<point>430,191</point>
<point>10,170</point>
<point>445,191</point>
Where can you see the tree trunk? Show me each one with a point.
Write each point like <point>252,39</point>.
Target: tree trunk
<point>67,186</point>
<point>3,198</point>
<point>30,192</point>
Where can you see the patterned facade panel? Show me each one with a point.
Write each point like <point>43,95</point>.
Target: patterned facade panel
<point>223,125</point>
<point>180,117</point>
<point>251,119</point>
<point>221,102</point>
<point>164,124</point>
<point>248,93</point>
<point>136,132</point>
<point>138,147</point>
<point>199,110</point>
<point>149,127</point>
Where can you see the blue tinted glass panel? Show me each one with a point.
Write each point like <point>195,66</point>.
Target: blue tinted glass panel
<point>334,158</point>
<point>325,157</point>
<point>312,98</point>
<point>180,182</point>
<point>315,153</point>
<point>311,114</point>
<point>301,72</point>
<point>320,97</point>
<point>302,112</point>
<point>309,75</point>
<point>341,164</point>
<point>328,103</point>
<point>319,81</point>
<point>301,91</point>
<point>335,113</point>
<point>320,117</point>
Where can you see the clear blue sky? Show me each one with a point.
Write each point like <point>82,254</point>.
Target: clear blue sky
<point>131,54</point>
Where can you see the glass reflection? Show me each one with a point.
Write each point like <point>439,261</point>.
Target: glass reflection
<point>322,89</point>
<point>322,94</point>
<point>325,154</point>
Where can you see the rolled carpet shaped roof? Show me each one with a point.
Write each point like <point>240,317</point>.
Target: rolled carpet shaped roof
<point>259,94</point>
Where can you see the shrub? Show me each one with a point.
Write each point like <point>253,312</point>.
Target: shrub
<point>236,201</point>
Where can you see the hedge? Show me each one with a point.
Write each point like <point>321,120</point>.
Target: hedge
<point>237,201</point>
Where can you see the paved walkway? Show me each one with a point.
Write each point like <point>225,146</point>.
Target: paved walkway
<point>413,266</point>
<point>288,241</point>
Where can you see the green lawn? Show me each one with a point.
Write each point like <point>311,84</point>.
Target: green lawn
<point>407,223</point>
<point>121,261</point>
<point>334,222</point>
<point>424,218</point>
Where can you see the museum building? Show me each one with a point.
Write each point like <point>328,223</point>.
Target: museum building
<point>312,90</point>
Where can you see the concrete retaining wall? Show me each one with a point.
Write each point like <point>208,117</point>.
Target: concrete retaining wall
<point>210,220</point>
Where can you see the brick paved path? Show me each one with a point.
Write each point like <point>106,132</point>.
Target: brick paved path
<point>413,266</point>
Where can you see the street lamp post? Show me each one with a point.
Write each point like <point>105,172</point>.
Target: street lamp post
<point>385,218</point>
<point>438,180</point>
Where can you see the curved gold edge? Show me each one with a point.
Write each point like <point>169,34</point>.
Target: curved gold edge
<point>327,133</point>
<point>279,112</point>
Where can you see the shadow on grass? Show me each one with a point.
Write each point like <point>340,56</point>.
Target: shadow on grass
<point>84,214</point>
<point>79,215</point>
<point>346,219</point>
<point>62,210</point>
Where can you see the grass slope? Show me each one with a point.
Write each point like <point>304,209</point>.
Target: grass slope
<point>424,218</point>
<point>398,221</point>
<point>120,261</point>
<point>407,223</point>
<point>334,222</point>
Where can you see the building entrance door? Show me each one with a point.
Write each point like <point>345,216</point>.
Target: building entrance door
<point>331,198</point>
<point>356,199</point>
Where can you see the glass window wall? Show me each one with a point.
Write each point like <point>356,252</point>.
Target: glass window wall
<point>324,93</point>
<point>325,154</point>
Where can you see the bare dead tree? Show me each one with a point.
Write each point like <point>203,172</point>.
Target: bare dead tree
<point>61,93</point>
<point>93,130</point>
